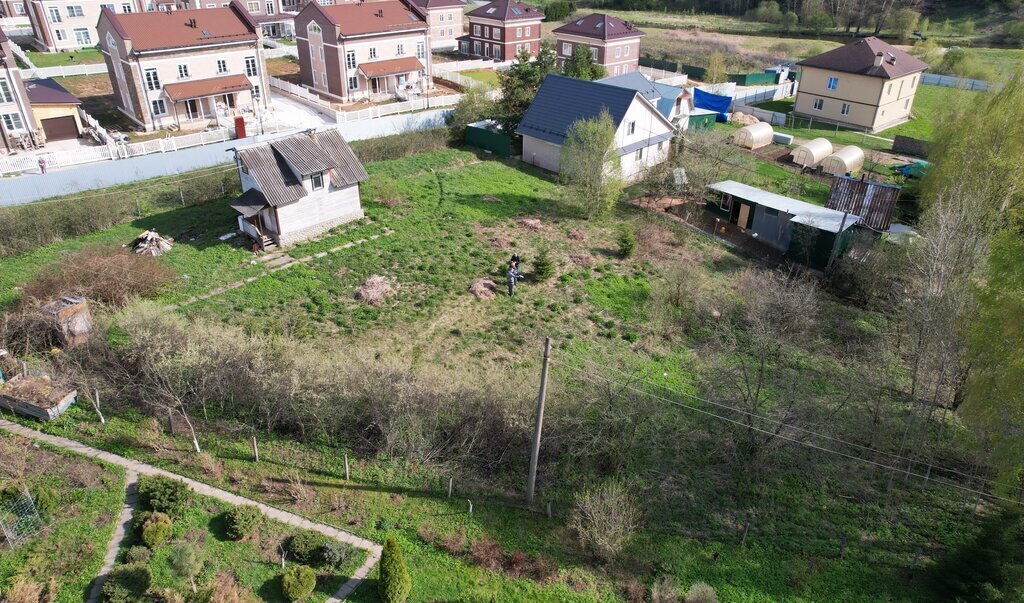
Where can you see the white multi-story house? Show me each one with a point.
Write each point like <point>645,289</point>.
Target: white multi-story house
<point>298,187</point>
<point>16,118</point>
<point>169,68</point>
<point>363,50</point>
<point>71,24</point>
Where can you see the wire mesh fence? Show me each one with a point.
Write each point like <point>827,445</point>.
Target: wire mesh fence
<point>19,518</point>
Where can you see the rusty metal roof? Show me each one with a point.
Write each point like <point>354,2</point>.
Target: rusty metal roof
<point>873,201</point>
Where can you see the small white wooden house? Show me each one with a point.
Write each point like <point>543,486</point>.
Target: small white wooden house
<point>298,187</point>
<point>642,133</point>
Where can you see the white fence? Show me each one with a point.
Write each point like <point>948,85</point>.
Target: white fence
<point>762,94</point>
<point>462,80</point>
<point>303,94</point>
<point>281,50</point>
<point>376,111</point>
<point>467,65</point>
<point>664,77</point>
<point>26,163</point>
<point>949,81</point>
<point>70,70</point>
<point>173,143</point>
<point>773,117</point>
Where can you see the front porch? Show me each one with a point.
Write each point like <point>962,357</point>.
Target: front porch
<point>382,80</point>
<point>213,99</point>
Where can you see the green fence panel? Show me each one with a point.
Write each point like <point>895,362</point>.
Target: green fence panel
<point>494,142</point>
<point>695,72</point>
<point>659,64</point>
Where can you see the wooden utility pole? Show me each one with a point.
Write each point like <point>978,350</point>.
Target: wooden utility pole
<point>539,426</point>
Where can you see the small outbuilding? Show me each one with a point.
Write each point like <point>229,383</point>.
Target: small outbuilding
<point>754,136</point>
<point>806,233</point>
<point>811,153</point>
<point>488,136</point>
<point>55,109</point>
<point>846,160</point>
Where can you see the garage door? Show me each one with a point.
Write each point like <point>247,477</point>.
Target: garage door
<point>60,128</point>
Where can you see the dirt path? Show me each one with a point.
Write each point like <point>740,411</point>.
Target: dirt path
<point>117,540</point>
<point>137,468</point>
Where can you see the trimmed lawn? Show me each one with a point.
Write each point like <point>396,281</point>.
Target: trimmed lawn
<point>487,76</point>
<point>70,548</point>
<point>81,56</point>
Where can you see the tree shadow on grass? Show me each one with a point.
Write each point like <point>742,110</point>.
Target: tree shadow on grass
<point>218,526</point>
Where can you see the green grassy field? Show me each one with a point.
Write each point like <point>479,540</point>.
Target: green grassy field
<point>458,216</point>
<point>487,76</point>
<point>82,56</point>
<point>70,547</point>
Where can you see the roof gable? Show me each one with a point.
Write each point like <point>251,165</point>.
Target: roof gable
<point>164,30</point>
<point>634,80</point>
<point>561,101</point>
<point>384,16</point>
<point>859,57</point>
<point>508,10</point>
<point>601,27</point>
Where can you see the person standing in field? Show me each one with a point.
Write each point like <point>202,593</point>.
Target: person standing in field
<point>512,276</point>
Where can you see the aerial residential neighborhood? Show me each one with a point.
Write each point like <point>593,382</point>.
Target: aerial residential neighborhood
<point>467,300</point>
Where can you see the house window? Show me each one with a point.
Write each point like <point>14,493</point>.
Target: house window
<point>566,49</point>
<point>906,104</point>
<point>126,8</point>
<point>323,78</point>
<point>350,59</point>
<point>527,32</point>
<point>254,7</point>
<point>321,48</point>
<point>317,181</point>
<point>616,70</point>
<point>109,7</point>
<point>256,92</point>
<point>487,31</point>
<point>631,128</point>
<point>5,92</point>
<point>182,71</point>
<point>60,35</point>
<point>421,50</point>
<point>476,30</point>
<point>75,10</point>
<point>159,107</point>
<point>660,144</point>
<point>725,202</point>
<point>846,109</point>
<point>12,121</point>
<point>618,52</point>
<point>152,79</point>
<point>913,82</point>
<point>451,31</point>
<point>373,52</point>
<point>82,36</point>
<point>250,66</point>
<point>593,53</point>
<point>314,78</point>
<point>19,8</point>
<point>625,51</point>
<point>313,28</point>
<point>55,15</point>
<point>818,104</point>
<point>639,154</point>
<point>353,83</point>
<point>497,52</point>
<point>476,47</point>
<point>519,32</point>
<point>399,49</point>
<point>496,33</point>
<point>222,66</point>
<point>833,83</point>
<point>270,7</point>
<point>890,89</point>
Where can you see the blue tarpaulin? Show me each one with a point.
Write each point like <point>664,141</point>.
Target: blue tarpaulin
<point>712,102</point>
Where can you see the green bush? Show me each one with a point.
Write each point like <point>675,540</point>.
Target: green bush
<point>298,582</point>
<point>138,554</point>
<point>558,10</point>
<point>156,530</point>
<point>243,522</point>
<point>45,498</point>
<point>305,547</point>
<point>334,553</point>
<point>163,494</point>
<point>543,267</point>
<point>627,242</point>
<point>394,584</point>
<point>127,583</point>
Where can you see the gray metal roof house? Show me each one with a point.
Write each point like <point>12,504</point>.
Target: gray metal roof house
<point>297,187</point>
<point>805,232</point>
<point>642,133</point>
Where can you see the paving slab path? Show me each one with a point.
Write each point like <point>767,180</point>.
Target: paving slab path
<point>117,540</point>
<point>286,517</point>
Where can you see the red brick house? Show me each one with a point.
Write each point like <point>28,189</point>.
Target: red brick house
<point>500,29</point>
<point>614,43</point>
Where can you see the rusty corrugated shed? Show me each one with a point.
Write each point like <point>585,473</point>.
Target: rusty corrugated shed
<point>873,201</point>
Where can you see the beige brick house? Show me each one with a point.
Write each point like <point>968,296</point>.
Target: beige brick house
<point>613,43</point>
<point>867,84</point>
<point>445,20</point>
<point>16,117</point>
<point>371,50</point>
<point>184,67</point>
<point>71,24</point>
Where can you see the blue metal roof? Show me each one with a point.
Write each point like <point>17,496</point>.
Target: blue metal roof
<point>561,101</point>
<point>662,96</point>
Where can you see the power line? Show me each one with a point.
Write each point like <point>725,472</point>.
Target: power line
<point>800,442</point>
<point>895,457</point>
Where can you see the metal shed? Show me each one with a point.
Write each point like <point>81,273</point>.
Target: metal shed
<point>487,135</point>
<point>754,136</point>
<point>874,201</point>
<point>846,160</point>
<point>811,153</point>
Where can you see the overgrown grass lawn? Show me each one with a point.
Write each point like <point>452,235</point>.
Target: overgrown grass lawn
<point>81,56</point>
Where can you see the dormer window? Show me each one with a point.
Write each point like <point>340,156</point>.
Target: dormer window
<point>317,180</point>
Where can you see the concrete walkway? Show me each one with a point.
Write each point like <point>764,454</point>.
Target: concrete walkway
<point>117,540</point>
<point>281,515</point>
